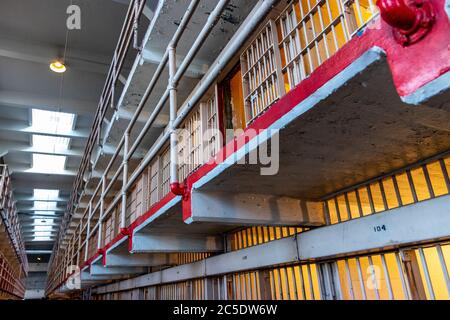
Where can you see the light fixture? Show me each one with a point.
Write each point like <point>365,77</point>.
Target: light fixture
<point>57,66</point>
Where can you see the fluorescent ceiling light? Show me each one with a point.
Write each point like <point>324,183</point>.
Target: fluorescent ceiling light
<point>50,144</point>
<point>52,121</point>
<point>48,163</point>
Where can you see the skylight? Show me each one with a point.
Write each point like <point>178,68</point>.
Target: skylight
<point>45,205</point>
<point>50,144</point>
<point>41,238</point>
<point>45,194</point>
<point>51,121</point>
<point>45,213</point>
<point>48,123</point>
<point>48,163</point>
<point>42,228</point>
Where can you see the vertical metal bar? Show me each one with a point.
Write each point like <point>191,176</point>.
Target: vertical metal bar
<point>88,230</point>
<point>397,191</point>
<point>411,185</point>
<point>336,281</point>
<point>405,284</point>
<point>443,267</point>
<point>124,182</point>
<point>338,212</point>
<point>388,278</point>
<point>173,114</point>
<point>358,201</point>
<point>361,279</point>
<point>377,293</point>
<point>327,213</point>
<point>347,205</point>
<point>426,274</point>
<point>369,195</point>
<point>428,181</point>
<point>102,209</point>
<point>445,173</point>
<point>383,195</point>
<point>349,279</point>
<point>311,287</point>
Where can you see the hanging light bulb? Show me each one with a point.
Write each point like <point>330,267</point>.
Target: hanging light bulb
<point>57,66</point>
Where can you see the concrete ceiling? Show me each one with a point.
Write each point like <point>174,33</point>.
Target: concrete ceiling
<point>32,34</point>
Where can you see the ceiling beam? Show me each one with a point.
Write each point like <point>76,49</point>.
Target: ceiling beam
<point>24,209</point>
<point>44,54</point>
<point>24,197</point>
<point>28,225</point>
<point>23,127</point>
<point>24,147</point>
<point>31,252</point>
<point>26,169</point>
<point>22,184</point>
<point>27,100</point>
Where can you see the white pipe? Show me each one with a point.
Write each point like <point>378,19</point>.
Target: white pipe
<point>174,184</point>
<point>124,182</point>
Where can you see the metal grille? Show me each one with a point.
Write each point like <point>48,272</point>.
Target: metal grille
<point>413,185</point>
<point>401,275</point>
<point>190,257</point>
<point>311,31</point>
<point>372,277</point>
<point>10,283</point>
<point>189,145</point>
<point>434,264</point>
<point>259,64</point>
<point>111,225</point>
<point>300,282</point>
<point>253,236</point>
<point>165,185</point>
<point>211,134</point>
<point>154,181</point>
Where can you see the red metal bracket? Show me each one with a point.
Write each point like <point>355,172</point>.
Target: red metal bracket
<point>411,20</point>
<point>179,189</point>
<point>125,231</point>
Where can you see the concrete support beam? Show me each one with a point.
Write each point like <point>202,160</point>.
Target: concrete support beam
<point>140,260</point>
<point>87,278</point>
<point>97,270</point>
<point>24,127</point>
<point>160,243</point>
<point>255,209</point>
<point>420,222</point>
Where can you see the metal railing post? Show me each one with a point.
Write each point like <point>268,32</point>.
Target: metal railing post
<point>88,230</point>
<point>124,182</point>
<point>102,208</point>
<point>172,86</point>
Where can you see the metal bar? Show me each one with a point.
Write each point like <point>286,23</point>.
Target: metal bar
<point>388,278</point>
<point>426,274</point>
<point>443,267</point>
